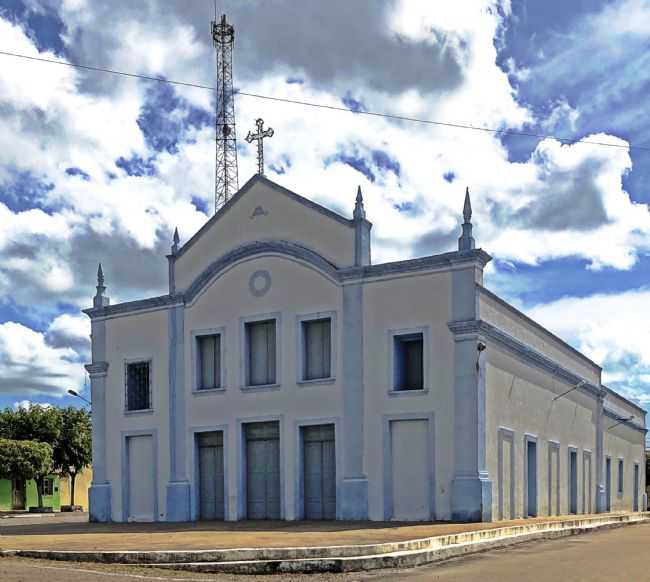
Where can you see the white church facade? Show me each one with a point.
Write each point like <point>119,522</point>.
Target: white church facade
<point>284,376</point>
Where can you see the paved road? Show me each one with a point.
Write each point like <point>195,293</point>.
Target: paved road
<point>621,554</point>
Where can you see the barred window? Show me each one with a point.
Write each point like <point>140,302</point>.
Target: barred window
<point>209,364</point>
<point>138,386</point>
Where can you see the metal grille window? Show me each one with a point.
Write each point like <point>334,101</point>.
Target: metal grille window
<point>48,487</point>
<point>138,386</point>
<point>260,359</point>
<point>317,343</point>
<point>209,361</point>
<point>408,362</point>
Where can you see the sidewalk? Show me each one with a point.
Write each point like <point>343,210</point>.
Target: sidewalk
<point>84,536</point>
<point>285,547</point>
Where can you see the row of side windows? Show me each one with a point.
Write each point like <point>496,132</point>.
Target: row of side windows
<point>260,360</point>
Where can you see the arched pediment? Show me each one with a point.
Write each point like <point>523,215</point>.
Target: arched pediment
<point>255,249</point>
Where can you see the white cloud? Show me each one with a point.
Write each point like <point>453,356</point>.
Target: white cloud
<point>28,365</point>
<point>611,330</point>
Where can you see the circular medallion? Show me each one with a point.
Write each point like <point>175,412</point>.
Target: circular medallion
<point>259,283</point>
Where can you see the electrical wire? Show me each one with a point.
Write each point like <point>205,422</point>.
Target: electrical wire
<point>332,107</point>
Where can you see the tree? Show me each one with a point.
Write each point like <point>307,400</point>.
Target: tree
<point>26,460</point>
<point>73,449</point>
<point>41,424</point>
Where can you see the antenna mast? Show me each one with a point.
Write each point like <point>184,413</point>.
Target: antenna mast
<point>226,180</point>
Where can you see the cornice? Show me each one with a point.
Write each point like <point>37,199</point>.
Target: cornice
<point>522,351</point>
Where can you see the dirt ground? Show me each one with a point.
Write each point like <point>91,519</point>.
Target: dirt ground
<point>603,556</point>
<point>74,533</point>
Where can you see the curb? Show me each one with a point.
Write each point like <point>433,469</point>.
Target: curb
<point>345,558</point>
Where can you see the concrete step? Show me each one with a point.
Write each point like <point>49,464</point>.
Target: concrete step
<point>446,549</point>
<point>343,558</point>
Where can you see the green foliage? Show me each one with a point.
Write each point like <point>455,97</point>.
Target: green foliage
<point>36,423</point>
<point>24,459</point>
<point>73,449</point>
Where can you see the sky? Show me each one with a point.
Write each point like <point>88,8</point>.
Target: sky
<point>98,167</point>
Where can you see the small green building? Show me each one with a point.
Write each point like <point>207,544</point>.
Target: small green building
<point>16,494</point>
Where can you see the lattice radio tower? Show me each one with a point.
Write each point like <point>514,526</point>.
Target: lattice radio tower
<point>226,180</point>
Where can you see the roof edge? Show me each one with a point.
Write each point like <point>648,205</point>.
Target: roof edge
<point>277,187</point>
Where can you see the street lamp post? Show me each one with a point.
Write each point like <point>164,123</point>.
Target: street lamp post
<point>75,393</point>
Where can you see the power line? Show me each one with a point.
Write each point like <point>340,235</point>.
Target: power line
<point>333,107</point>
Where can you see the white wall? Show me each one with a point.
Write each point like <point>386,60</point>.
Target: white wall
<point>285,219</point>
<point>138,336</point>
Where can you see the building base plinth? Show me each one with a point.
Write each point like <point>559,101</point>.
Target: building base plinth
<point>99,502</point>
<point>178,501</point>
<point>354,500</point>
<point>471,499</point>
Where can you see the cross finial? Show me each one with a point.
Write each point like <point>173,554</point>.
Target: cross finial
<point>99,300</point>
<point>466,241</point>
<point>359,210</point>
<point>467,207</point>
<point>177,240</point>
<point>259,136</point>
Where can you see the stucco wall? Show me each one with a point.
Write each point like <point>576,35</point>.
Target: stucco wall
<point>507,319</point>
<point>404,304</point>
<point>141,336</point>
<point>624,442</point>
<point>520,399</point>
<point>295,290</point>
<point>284,219</point>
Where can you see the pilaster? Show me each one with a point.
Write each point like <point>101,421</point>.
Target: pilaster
<point>354,494</point>
<point>178,487</point>
<point>600,454</point>
<point>99,494</point>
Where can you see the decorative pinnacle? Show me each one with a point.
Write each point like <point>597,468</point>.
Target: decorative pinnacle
<point>359,211</point>
<point>466,241</point>
<point>177,240</point>
<point>467,208</point>
<point>100,278</point>
<point>100,300</point>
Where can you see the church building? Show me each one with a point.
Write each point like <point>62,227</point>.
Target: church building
<point>286,376</point>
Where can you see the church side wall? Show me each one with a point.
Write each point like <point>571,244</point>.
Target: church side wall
<point>142,336</point>
<point>265,214</point>
<point>628,444</point>
<point>500,315</point>
<point>520,405</point>
<point>402,305</point>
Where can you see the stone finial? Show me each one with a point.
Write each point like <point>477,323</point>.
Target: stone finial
<point>467,207</point>
<point>466,241</point>
<point>176,243</point>
<point>100,300</point>
<point>359,211</point>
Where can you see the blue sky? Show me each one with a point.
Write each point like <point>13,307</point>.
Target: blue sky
<point>98,168</point>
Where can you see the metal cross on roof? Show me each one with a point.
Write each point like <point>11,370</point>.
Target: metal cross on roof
<point>259,136</point>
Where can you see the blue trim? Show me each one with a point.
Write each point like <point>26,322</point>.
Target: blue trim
<point>126,434</point>
<point>255,249</point>
<point>388,459</point>
<point>99,502</point>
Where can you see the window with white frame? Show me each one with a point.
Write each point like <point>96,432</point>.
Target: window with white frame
<point>261,350</point>
<point>138,386</point>
<point>48,486</point>
<point>317,349</point>
<point>208,361</point>
<point>620,475</point>
<point>408,361</point>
